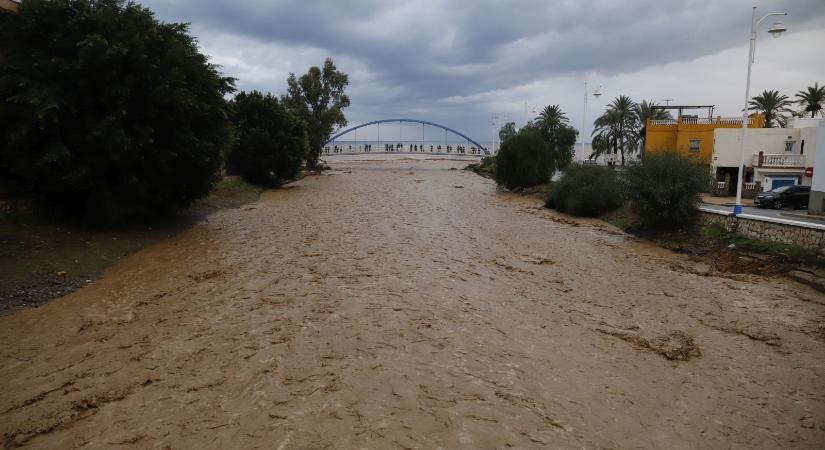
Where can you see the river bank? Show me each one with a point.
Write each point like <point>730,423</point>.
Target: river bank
<point>44,257</point>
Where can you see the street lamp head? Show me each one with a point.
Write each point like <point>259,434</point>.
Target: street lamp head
<point>777,29</point>
<point>597,93</point>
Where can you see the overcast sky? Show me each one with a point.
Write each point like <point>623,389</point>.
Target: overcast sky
<point>459,63</point>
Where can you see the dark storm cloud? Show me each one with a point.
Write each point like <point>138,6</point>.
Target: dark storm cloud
<point>438,49</point>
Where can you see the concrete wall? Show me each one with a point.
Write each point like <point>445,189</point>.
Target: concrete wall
<point>805,122</point>
<point>816,204</point>
<point>803,236</point>
<point>818,157</point>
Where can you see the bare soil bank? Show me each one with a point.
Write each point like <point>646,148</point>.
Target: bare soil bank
<point>402,304</point>
<point>42,258</point>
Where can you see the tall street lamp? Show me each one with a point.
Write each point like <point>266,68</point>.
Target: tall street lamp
<point>775,30</point>
<point>528,109</point>
<point>596,93</point>
<point>493,123</point>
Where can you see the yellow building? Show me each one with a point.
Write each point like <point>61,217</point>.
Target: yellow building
<point>691,135</point>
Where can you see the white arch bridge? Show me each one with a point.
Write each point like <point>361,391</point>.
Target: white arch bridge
<point>473,148</point>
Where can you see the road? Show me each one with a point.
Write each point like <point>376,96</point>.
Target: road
<point>405,304</point>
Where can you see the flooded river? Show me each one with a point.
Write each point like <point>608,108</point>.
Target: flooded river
<point>404,304</point>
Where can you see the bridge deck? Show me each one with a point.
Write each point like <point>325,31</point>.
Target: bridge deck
<point>442,153</point>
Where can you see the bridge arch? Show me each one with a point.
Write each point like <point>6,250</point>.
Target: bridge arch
<point>423,122</point>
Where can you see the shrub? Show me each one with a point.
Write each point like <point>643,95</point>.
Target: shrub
<point>664,190</point>
<point>524,160</point>
<point>107,112</point>
<point>586,191</point>
<point>271,142</point>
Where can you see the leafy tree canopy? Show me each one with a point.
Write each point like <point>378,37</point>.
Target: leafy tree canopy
<point>507,131</point>
<point>107,111</point>
<point>271,142</point>
<point>773,105</point>
<point>812,99</point>
<point>617,130</point>
<point>524,160</point>
<point>318,98</point>
<point>554,127</point>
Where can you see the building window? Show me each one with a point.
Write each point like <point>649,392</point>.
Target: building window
<point>694,145</point>
<point>789,146</point>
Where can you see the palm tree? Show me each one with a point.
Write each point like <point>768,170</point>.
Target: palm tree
<point>649,110</point>
<point>606,134</point>
<point>551,117</point>
<point>507,131</point>
<point>617,128</point>
<point>773,106</point>
<point>554,127</point>
<point>812,99</point>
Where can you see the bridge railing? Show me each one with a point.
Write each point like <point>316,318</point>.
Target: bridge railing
<point>480,147</point>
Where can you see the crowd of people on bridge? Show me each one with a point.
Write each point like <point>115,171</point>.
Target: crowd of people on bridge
<point>413,148</point>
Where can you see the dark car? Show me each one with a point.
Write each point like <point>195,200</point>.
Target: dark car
<point>784,196</point>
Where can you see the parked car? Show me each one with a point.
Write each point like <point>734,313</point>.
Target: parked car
<point>784,196</point>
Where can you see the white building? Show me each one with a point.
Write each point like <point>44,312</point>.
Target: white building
<point>602,160</point>
<point>773,156</point>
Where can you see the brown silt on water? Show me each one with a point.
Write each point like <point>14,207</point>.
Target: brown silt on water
<point>401,304</point>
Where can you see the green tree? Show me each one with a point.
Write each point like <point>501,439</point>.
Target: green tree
<point>271,142</point>
<point>552,117</point>
<point>812,99</point>
<point>606,134</point>
<point>318,98</point>
<point>773,105</point>
<point>524,160</point>
<point>560,136</point>
<point>106,111</point>
<point>649,110</point>
<point>617,129</point>
<point>507,131</point>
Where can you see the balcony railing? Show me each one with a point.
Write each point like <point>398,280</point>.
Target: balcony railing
<point>779,160</point>
<point>722,121</point>
<point>699,121</point>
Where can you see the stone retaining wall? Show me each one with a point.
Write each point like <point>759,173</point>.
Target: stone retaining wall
<point>768,231</point>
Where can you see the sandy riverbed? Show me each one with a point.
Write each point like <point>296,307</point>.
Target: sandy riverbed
<point>401,304</point>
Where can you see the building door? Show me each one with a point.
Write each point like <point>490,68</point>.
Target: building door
<point>775,182</point>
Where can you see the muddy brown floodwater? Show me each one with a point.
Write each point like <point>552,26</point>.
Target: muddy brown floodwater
<point>402,304</point>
